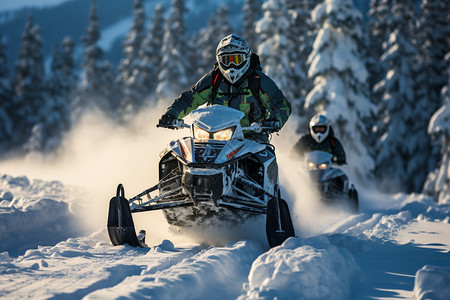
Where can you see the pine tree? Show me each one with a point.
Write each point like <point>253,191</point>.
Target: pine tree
<point>175,64</point>
<point>89,95</point>
<point>209,37</point>
<point>340,79</point>
<point>380,26</point>
<point>151,56</point>
<point>302,31</point>
<point>429,74</point>
<point>394,151</point>
<point>55,116</point>
<point>207,42</point>
<point>129,65</point>
<point>252,12</point>
<point>434,41</point>
<point>5,101</point>
<point>28,83</point>
<point>274,44</point>
<point>438,182</point>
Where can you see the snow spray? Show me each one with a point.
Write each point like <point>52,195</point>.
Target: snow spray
<point>99,153</point>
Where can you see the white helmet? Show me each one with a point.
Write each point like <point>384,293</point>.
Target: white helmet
<point>319,128</point>
<point>233,56</point>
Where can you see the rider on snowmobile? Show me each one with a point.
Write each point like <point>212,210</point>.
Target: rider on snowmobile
<point>321,137</point>
<point>236,81</point>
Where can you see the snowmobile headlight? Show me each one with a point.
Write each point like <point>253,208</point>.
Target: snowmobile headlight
<point>223,135</point>
<point>322,166</point>
<point>312,166</point>
<point>201,134</point>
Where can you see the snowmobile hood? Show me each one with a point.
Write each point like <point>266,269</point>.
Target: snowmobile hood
<point>216,117</point>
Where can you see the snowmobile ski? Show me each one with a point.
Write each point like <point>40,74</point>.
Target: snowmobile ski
<point>279,225</point>
<point>120,222</point>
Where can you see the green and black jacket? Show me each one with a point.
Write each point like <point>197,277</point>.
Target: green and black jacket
<point>238,96</point>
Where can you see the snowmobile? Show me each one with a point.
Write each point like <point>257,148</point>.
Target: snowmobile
<point>332,183</point>
<point>216,176</point>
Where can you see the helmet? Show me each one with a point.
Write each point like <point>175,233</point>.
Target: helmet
<point>319,128</point>
<point>233,56</point>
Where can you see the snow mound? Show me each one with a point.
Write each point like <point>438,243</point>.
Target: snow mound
<point>432,282</point>
<point>196,275</point>
<point>303,269</point>
<point>33,213</point>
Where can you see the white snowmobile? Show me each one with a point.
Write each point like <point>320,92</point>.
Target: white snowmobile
<point>215,176</point>
<point>332,183</point>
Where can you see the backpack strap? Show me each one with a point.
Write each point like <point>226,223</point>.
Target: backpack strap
<point>332,142</point>
<point>217,80</point>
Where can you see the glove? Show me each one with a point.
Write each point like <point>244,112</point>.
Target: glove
<point>338,161</point>
<point>167,119</point>
<point>271,123</point>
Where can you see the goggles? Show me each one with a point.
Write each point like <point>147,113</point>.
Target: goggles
<point>236,59</point>
<point>320,129</point>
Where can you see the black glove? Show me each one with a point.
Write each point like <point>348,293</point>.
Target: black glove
<point>167,119</point>
<point>271,123</point>
<point>338,161</point>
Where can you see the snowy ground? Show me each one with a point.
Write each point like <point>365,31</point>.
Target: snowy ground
<point>53,241</point>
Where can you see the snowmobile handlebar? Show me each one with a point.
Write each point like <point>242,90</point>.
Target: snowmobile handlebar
<point>179,124</point>
<point>256,127</point>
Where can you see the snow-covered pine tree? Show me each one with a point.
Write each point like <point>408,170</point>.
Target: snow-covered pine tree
<point>274,44</point>
<point>399,142</point>
<point>5,100</point>
<point>28,83</point>
<point>434,41</point>
<point>55,116</point>
<point>438,182</point>
<point>380,25</point>
<point>218,27</point>
<point>150,53</point>
<point>252,12</point>
<point>132,97</point>
<point>340,80</point>
<point>301,36</point>
<point>429,75</point>
<point>206,44</point>
<point>176,66</point>
<point>89,93</point>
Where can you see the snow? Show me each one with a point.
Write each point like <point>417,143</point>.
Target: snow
<point>397,246</point>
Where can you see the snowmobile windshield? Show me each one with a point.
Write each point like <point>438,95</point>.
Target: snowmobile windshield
<point>215,118</point>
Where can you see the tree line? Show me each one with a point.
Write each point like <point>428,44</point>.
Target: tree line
<point>380,78</point>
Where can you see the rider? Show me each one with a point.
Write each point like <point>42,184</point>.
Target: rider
<point>236,81</point>
<point>321,137</point>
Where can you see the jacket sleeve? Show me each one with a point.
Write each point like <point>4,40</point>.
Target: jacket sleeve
<point>274,100</point>
<point>188,101</point>
<point>339,152</point>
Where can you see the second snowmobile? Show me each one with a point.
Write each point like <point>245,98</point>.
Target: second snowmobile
<point>332,183</point>
<point>214,176</point>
